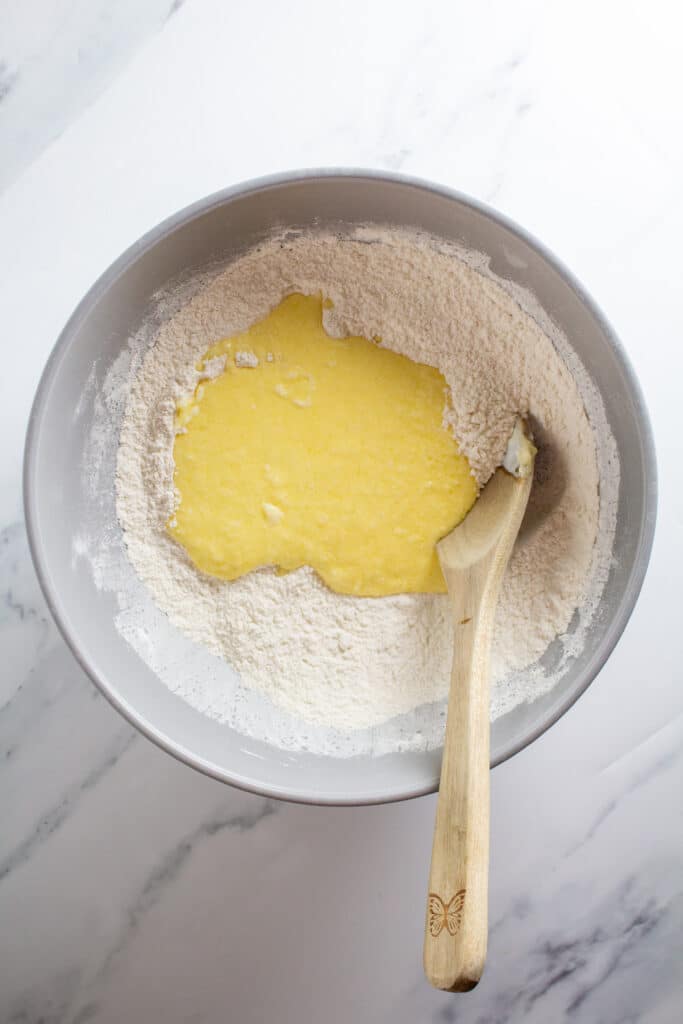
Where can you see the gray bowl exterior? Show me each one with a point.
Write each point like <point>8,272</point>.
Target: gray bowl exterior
<point>219,228</point>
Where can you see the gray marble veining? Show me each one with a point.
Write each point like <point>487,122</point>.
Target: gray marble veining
<point>55,59</point>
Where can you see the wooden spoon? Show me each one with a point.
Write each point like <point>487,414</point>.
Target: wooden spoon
<point>473,559</point>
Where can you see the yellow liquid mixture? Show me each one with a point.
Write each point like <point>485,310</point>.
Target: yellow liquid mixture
<point>318,451</point>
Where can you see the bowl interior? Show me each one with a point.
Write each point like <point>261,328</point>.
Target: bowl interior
<point>218,229</point>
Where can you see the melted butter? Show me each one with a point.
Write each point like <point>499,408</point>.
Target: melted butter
<point>319,451</point>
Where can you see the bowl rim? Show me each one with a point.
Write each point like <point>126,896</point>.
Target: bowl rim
<point>149,240</point>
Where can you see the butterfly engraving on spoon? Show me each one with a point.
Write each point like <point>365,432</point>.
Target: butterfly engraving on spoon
<point>445,915</point>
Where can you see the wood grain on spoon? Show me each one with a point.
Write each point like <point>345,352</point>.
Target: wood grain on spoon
<point>473,559</point>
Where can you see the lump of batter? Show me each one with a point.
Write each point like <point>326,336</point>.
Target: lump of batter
<point>319,451</point>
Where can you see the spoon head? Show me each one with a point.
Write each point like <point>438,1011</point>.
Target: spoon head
<point>499,508</point>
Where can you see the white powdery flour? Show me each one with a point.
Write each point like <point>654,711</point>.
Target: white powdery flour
<point>341,666</point>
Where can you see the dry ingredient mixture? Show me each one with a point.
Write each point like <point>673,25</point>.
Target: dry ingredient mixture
<point>321,670</point>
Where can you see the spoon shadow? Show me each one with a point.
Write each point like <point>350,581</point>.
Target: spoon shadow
<point>550,480</point>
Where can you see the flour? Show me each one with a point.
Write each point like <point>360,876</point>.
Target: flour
<point>345,674</point>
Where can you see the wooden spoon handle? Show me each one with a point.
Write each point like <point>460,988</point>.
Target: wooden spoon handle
<point>457,905</point>
<point>473,559</point>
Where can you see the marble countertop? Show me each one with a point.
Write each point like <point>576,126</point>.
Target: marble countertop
<point>134,889</point>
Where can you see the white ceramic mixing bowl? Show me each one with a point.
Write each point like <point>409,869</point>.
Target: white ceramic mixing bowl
<point>217,229</point>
